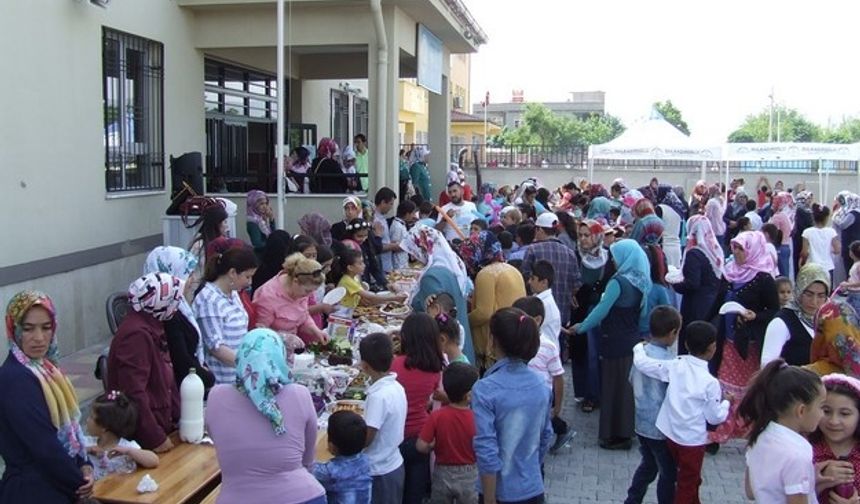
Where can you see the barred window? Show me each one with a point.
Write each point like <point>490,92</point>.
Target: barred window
<point>133,92</point>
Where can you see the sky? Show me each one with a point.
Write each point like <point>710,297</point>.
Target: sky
<point>717,60</point>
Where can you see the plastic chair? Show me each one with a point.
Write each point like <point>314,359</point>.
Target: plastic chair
<point>116,308</point>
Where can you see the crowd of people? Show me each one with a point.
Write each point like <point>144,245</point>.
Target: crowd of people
<point>685,322</point>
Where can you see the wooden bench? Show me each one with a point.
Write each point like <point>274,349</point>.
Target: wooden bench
<point>185,474</point>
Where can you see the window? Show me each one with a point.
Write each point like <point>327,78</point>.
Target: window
<point>340,117</point>
<point>359,116</point>
<point>133,93</point>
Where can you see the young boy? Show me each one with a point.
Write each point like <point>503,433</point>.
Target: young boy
<point>449,433</point>
<point>693,400</point>
<point>506,240</point>
<point>547,364</point>
<point>398,231</point>
<point>664,325</point>
<point>425,214</point>
<point>346,477</point>
<point>385,415</point>
<point>525,237</point>
<point>477,226</point>
<point>540,284</point>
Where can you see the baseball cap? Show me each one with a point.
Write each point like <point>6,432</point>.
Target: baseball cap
<point>546,220</point>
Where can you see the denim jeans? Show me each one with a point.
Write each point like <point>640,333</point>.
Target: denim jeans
<point>783,259</point>
<point>416,484</point>
<point>655,459</point>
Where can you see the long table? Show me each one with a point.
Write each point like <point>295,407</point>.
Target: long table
<point>185,474</point>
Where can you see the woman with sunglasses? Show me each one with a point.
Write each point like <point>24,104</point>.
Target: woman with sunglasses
<point>282,302</point>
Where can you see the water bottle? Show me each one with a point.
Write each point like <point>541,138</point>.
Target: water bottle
<point>191,416</point>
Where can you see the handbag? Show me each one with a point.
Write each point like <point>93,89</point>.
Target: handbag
<point>188,203</point>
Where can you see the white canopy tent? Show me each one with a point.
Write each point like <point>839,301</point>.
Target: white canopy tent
<point>653,138</point>
<point>794,151</point>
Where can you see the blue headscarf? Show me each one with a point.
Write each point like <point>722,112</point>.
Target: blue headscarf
<point>262,371</point>
<point>599,208</point>
<point>632,264</point>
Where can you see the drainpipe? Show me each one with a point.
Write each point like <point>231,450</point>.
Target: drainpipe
<point>380,135</point>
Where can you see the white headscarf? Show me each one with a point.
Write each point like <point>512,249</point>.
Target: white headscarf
<point>429,247</point>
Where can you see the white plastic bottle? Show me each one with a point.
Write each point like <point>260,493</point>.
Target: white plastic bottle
<point>191,416</point>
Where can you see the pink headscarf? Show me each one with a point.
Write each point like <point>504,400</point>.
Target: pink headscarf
<point>758,259</point>
<point>700,235</point>
<point>326,148</point>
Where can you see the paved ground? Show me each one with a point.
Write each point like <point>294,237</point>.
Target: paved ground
<point>584,473</point>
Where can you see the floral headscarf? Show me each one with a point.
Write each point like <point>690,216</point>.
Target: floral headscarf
<point>700,235</point>
<point>326,148</point>
<point>429,247</point>
<point>803,200</point>
<point>647,228</point>
<point>758,259</point>
<point>848,202</point>
<point>632,264</point>
<point>836,346</point>
<point>419,155</point>
<point>59,392</point>
<point>156,294</point>
<point>782,202</point>
<point>596,257</point>
<point>809,274</point>
<point>479,250</point>
<point>262,371</point>
<point>317,227</point>
<point>179,263</point>
<point>251,213</point>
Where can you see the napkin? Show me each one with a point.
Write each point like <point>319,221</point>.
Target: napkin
<point>147,484</point>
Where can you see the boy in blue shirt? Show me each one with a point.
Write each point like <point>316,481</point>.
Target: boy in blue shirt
<point>648,393</point>
<point>346,477</point>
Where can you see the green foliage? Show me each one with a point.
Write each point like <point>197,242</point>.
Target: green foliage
<point>541,126</point>
<point>672,115</point>
<point>847,132</point>
<point>793,127</point>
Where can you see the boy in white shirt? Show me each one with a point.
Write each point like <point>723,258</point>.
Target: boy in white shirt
<point>540,283</point>
<point>547,364</point>
<point>693,400</point>
<point>385,415</point>
<point>398,231</point>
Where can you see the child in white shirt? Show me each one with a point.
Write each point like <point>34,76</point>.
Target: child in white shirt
<point>398,231</point>
<point>540,283</point>
<point>820,242</point>
<point>547,364</point>
<point>782,404</point>
<point>113,419</point>
<point>693,400</point>
<point>385,415</point>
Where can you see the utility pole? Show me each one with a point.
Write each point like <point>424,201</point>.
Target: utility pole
<point>770,120</point>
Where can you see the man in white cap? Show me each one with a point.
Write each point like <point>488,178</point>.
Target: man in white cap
<point>462,212</point>
<point>548,247</point>
<point>351,210</point>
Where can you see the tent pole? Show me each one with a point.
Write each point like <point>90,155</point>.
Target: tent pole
<point>704,169</point>
<point>279,145</point>
<point>820,183</point>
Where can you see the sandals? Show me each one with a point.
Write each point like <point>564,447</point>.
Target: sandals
<point>587,406</point>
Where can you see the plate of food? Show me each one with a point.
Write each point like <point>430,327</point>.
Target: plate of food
<point>346,405</point>
<point>334,296</point>
<point>395,310</point>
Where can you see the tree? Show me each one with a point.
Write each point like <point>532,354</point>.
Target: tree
<point>791,126</point>
<point>541,126</point>
<point>672,115</point>
<point>847,132</point>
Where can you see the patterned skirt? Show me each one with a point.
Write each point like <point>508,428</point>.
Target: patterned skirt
<point>734,375</point>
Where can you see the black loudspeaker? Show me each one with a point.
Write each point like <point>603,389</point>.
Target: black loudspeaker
<point>186,168</point>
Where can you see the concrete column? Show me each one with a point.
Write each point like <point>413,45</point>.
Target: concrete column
<point>390,170</point>
<point>439,133</point>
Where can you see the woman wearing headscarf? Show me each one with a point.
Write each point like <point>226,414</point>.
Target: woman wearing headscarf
<point>182,330</point>
<point>735,210</point>
<point>261,220</point>
<point>599,208</point>
<point>620,312</point>
<point>419,172</point>
<point>317,227</point>
<point>326,173</point>
<point>802,220</point>
<point>443,271</point>
<point>749,278</point>
<point>702,268</point>
<point>139,361</point>
<point>596,270</point>
<point>497,286</point>
<point>698,197</point>
<point>836,345</point>
<point>671,237</point>
<point>782,205</point>
<point>715,208</point>
<point>272,261</point>
<point>264,428</point>
<point>41,440</point>
<point>789,335</point>
<point>351,210</point>
<point>647,227</point>
<point>666,195</point>
<point>846,221</point>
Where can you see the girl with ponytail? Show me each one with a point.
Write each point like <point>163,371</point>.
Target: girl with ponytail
<point>782,405</point>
